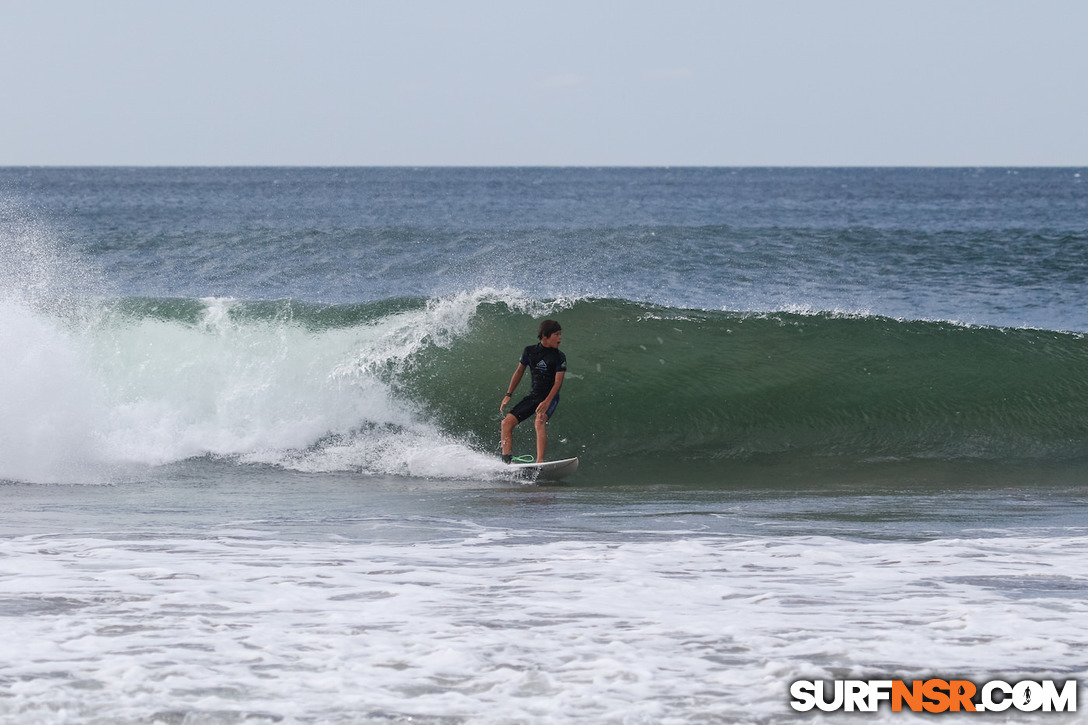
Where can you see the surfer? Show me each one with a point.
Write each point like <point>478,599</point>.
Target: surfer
<point>547,366</point>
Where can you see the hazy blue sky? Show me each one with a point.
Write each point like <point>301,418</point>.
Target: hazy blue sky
<point>481,82</point>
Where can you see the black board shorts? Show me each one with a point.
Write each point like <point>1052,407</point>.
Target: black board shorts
<point>527,407</point>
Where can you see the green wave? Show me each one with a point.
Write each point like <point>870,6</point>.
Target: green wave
<point>659,384</point>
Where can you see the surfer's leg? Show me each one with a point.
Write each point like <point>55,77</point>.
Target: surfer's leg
<point>542,419</point>
<point>541,436</point>
<point>507,438</point>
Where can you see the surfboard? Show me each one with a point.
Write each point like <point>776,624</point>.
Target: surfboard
<point>548,470</point>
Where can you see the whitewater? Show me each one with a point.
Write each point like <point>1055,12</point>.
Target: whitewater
<point>833,424</point>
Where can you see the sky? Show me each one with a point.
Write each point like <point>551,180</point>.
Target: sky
<point>556,83</point>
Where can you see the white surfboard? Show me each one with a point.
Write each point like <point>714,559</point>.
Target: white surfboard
<point>549,470</point>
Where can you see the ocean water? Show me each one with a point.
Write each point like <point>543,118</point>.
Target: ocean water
<point>833,423</point>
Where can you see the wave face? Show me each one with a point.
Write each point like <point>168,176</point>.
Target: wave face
<point>648,382</point>
<point>412,387</point>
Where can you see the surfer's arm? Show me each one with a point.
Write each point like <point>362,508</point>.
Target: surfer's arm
<point>543,407</point>
<point>514,381</point>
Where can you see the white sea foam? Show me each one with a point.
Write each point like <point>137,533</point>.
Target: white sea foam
<point>105,391</point>
<point>497,628</point>
<point>51,404</point>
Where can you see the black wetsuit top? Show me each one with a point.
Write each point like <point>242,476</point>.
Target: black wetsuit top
<point>544,363</point>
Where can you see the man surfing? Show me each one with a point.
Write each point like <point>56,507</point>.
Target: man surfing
<point>547,367</point>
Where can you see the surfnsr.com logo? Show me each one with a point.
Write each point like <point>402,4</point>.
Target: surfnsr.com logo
<point>934,695</point>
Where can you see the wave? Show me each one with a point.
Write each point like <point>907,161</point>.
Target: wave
<point>683,387</point>
<point>412,387</point>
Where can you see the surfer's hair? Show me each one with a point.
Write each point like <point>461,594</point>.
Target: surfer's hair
<point>547,329</point>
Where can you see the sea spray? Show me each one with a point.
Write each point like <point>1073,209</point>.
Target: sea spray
<point>51,405</point>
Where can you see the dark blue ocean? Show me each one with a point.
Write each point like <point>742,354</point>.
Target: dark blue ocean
<point>831,423</point>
